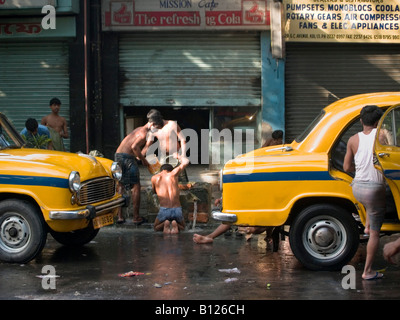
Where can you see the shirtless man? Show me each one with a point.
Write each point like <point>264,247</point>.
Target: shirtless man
<point>168,133</point>
<point>57,125</point>
<point>126,155</point>
<point>165,185</point>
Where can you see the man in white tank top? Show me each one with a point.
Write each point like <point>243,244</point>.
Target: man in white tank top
<point>368,184</point>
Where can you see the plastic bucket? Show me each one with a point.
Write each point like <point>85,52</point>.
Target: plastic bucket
<point>154,164</point>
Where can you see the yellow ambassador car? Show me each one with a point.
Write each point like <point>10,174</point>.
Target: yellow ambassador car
<point>302,185</point>
<point>69,195</point>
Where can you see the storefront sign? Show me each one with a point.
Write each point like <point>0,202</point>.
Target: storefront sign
<point>33,28</point>
<point>26,4</point>
<point>184,14</point>
<point>342,20</point>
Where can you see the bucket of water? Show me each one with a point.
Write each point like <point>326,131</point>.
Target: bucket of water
<point>154,164</point>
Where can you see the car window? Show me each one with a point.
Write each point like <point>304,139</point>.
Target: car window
<point>390,129</point>
<point>391,122</point>
<point>5,140</point>
<point>311,126</point>
<point>340,146</point>
<point>9,137</point>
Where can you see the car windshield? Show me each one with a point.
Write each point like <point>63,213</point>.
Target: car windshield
<point>311,126</point>
<point>9,137</point>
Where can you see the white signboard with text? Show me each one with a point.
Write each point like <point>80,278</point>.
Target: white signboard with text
<point>342,20</point>
<point>121,15</point>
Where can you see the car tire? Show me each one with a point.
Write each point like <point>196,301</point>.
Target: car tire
<point>76,238</point>
<point>324,237</point>
<point>22,231</point>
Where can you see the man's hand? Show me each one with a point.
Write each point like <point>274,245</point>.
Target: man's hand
<point>390,250</point>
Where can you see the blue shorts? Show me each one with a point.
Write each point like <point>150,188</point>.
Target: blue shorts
<point>130,169</point>
<point>170,214</point>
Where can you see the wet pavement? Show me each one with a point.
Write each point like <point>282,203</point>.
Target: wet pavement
<point>172,267</point>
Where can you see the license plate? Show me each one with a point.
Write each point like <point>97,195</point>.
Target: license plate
<point>102,221</point>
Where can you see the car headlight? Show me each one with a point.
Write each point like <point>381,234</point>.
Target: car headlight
<point>116,171</point>
<point>74,181</point>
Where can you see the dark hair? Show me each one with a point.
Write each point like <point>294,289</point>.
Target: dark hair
<point>277,134</point>
<point>155,116</point>
<point>370,115</point>
<point>167,167</point>
<point>55,101</point>
<point>31,124</point>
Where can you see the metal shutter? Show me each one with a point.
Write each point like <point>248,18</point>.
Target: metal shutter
<point>190,69</point>
<point>319,74</point>
<point>30,75</point>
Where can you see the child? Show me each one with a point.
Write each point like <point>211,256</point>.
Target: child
<point>57,125</point>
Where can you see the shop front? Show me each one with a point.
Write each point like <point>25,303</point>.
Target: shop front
<point>336,49</point>
<point>34,58</point>
<point>205,64</point>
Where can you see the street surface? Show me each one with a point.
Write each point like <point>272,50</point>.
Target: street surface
<point>174,268</point>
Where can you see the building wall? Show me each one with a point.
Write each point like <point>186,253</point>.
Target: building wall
<point>273,89</point>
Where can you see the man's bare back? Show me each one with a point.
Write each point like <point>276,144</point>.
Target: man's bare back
<point>134,142</point>
<point>165,184</point>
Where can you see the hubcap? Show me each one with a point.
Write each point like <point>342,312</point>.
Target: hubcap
<point>324,237</point>
<point>14,233</point>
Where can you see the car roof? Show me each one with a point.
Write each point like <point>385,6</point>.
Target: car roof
<point>357,102</point>
<point>338,115</point>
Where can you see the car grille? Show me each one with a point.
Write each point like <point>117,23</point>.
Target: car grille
<point>96,190</point>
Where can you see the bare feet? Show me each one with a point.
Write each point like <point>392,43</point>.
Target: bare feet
<point>174,227</point>
<point>167,227</point>
<point>372,276</point>
<point>202,239</point>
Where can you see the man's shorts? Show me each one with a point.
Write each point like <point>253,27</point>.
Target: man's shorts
<point>130,169</point>
<point>170,214</point>
<point>373,197</point>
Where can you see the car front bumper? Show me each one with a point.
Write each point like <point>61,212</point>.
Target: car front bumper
<point>89,212</point>
<point>224,217</point>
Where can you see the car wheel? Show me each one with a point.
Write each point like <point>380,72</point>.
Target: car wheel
<point>324,237</point>
<point>22,231</point>
<point>77,237</point>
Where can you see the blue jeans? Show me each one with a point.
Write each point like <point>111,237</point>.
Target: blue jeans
<point>170,214</point>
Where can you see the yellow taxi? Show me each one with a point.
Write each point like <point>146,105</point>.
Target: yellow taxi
<point>69,195</point>
<point>301,188</point>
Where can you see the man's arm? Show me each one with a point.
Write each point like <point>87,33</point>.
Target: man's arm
<point>150,137</point>
<point>348,163</point>
<point>44,121</point>
<point>184,162</point>
<point>137,152</point>
<point>182,139</point>
<point>153,183</point>
<point>64,133</point>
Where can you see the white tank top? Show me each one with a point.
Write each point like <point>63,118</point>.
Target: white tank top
<point>365,170</point>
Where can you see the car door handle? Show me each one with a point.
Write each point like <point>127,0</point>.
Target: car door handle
<point>383,154</point>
